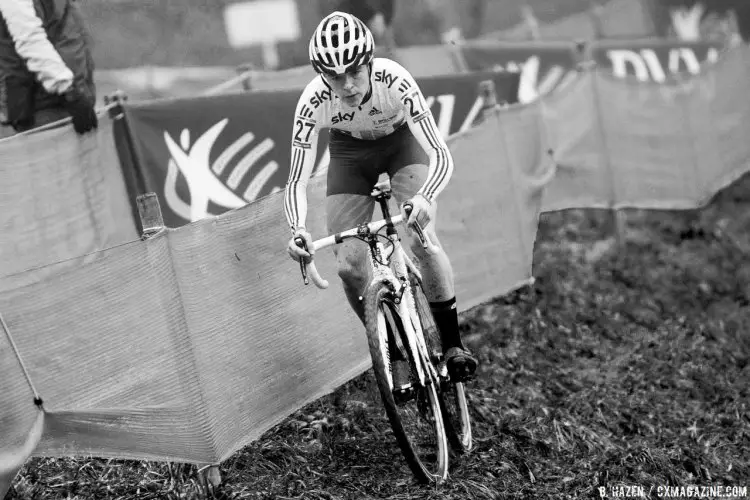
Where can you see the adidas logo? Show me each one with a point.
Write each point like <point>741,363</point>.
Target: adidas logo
<point>375,111</point>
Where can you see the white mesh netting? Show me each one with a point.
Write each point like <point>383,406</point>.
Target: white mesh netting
<point>191,344</point>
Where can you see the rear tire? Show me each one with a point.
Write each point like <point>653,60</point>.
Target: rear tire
<point>417,424</point>
<point>453,403</point>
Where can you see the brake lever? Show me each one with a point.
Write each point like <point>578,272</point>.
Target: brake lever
<point>423,238</point>
<point>300,242</point>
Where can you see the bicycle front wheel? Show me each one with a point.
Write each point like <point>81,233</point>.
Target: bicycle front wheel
<point>453,403</point>
<point>417,423</point>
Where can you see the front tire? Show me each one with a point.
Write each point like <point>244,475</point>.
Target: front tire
<point>417,424</point>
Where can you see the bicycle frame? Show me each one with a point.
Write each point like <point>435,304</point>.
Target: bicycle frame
<point>392,269</point>
<point>395,273</point>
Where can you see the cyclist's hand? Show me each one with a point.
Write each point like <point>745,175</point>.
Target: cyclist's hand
<point>421,212</point>
<point>297,253</point>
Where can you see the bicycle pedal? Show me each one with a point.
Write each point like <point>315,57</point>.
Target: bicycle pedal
<point>404,394</point>
<point>462,375</point>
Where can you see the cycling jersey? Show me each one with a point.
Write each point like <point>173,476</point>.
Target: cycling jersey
<point>394,99</point>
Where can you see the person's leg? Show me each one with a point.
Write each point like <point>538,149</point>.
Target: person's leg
<point>352,173</point>
<point>437,270</point>
<point>437,275</point>
<point>345,211</point>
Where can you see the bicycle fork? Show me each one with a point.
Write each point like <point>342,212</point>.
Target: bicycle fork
<point>407,311</point>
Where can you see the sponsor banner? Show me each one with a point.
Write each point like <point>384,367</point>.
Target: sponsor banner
<point>512,56</point>
<point>542,66</point>
<point>545,66</point>
<point>653,60</point>
<point>206,155</point>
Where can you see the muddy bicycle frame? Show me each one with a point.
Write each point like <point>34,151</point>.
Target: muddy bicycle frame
<point>391,269</point>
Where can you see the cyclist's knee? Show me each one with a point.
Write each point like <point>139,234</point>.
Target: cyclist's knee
<point>351,268</point>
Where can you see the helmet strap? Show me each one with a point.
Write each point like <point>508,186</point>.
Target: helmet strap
<point>325,82</point>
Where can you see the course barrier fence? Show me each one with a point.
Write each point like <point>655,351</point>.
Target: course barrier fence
<point>190,344</point>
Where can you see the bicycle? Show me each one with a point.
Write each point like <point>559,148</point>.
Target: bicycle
<point>400,328</point>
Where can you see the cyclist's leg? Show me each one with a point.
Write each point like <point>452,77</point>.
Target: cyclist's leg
<point>352,173</point>
<point>437,272</point>
<point>436,268</point>
<point>408,172</point>
<point>345,211</point>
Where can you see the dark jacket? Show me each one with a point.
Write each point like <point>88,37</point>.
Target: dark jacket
<point>51,60</point>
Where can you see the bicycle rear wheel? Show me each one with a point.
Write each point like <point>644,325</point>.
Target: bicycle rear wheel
<point>453,403</point>
<point>417,424</point>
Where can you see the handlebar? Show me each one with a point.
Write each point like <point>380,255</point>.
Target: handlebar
<point>308,269</point>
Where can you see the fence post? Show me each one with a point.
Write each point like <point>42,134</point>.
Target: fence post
<point>456,52</point>
<point>582,53</point>
<point>527,13</point>
<point>149,211</point>
<point>127,152</point>
<point>152,223</point>
<point>616,218</point>
<point>596,13</point>
<point>488,92</point>
<point>116,97</point>
<point>488,96</point>
<point>246,69</point>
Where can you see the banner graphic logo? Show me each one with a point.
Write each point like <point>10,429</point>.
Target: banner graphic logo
<point>204,179</point>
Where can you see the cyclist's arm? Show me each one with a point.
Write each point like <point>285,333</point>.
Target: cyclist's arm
<point>31,43</point>
<point>304,151</point>
<point>423,126</point>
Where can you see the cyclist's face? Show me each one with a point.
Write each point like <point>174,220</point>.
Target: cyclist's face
<point>352,86</point>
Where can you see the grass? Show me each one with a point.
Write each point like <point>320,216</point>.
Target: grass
<point>619,367</point>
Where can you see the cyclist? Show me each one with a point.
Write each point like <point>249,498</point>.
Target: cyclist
<point>379,123</point>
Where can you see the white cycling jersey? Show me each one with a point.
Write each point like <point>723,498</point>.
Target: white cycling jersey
<point>394,99</point>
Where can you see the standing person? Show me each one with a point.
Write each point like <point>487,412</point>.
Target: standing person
<point>379,123</point>
<point>46,68</point>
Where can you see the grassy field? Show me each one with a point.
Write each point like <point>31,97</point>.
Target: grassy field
<point>620,367</point>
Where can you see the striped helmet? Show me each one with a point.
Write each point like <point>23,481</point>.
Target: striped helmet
<point>340,42</point>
